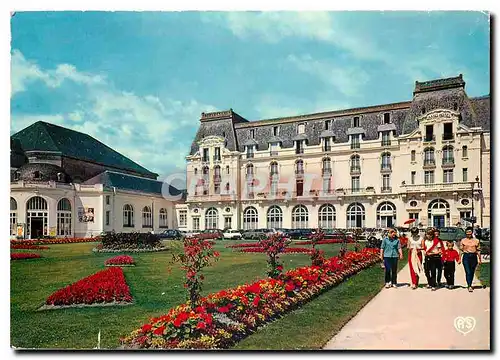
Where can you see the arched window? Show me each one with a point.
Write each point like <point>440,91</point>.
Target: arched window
<point>64,217</point>
<point>327,216</point>
<point>36,217</point>
<point>147,218</point>
<point>274,168</point>
<point>211,219</point>
<point>128,216</point>
<point>300,217</point>
<point>250,218</point>
<point>299,167</point>
<point>386,215</point>
<point>274,177</point>
<point>13,216</point>
<point>327,166</point>
<point>448,155</point>
<point>355,215</point>
<point>438,213</point>
<point>464,151</point>
<point>386,161</point>
<point>355,163</point>
<point>163,218</point>
<point>195,171</point>
<point>429,156</point>
<point>249,172</point>
<point>274,217</point>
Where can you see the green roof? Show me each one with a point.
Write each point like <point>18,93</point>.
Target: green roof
<point>112,179</point>
<point>42,136</point>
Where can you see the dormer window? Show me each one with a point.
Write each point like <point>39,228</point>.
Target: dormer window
<point>387,118</point>
<point>276,131</point>
<point>455,106</point>
<point>37,175</point>
<point>205,155</point>
<point>301,128</point>
<point>355,121</point>
<point>355,141</point>
<point>423,110</point>
<point>327,125</point>
<point>252,133</point>
<point>249,152</point>
<point>60,177</point>
<point>217,154</point>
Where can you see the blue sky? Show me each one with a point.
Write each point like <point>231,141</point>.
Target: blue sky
<point>139,81</point>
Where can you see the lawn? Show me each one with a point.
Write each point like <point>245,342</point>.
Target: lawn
<point>483,272</point>
<point>156,289</point>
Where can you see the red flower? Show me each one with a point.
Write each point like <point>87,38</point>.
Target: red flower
<point>201,325</point>
<point>159,331</point>
<point>289,287</point>
<point>223,309</point>
<point>146,327</point>
<point>255,301</point>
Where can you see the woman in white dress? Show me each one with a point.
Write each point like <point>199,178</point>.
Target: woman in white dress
<point>415,256</point>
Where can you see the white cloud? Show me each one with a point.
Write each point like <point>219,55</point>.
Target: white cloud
<point>143,128</point>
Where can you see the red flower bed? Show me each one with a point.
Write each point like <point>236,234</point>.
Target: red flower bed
<point>328,241</point>
<point>286,251</point>
<point>106,286</point>
<point>120,260</point>
<point>53,241</point>
<point>24,256</point>
<point>243,245</point>
<point>225,317</point>
<point>28,247</point>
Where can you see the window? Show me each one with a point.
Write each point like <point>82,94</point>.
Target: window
<point>423,110</point>
<point>355,183</point>
<point>227,222</point>
<point>212,219</point>
<point>464,151</point>
<point>386,138</point>
<point>217,154</point>
<point>249,172</point>
<point>163,223</point>
<point>36,208</point>
<point>464,174</point>
<point>455,106</point>
<point>386,215</point>
<point>438,213</point>
<point>386,161</point>
<point>413,155</point>
<point>465,215</point>
<point>413,203</point>
<point>327,167</point>
<point>429,177</point>
<point>299,186</point>
<point>448,155</point>
<point>414,216</point>
<point>387,118</point>
<point>274,168</point>
<point>301,128</point>
<point>300,217</point>
<point>147,218</point>
<point>429,133</point>
<point>227,170</point>
<point>274,149</point>
<point>327,124</point>
<point>250,218</point>
<point>429,156</point>
<point>183,218</point>
<point>327,185</point>
<point>13,216</point>
<point>355,121</point>
<point>413,176</point>
<point>252,133</point>
<point>355,215</point>
<point>299,146</point>
<point>205,155</point>
<point>355,163</point>
<point>447,176</point>
<point>299,167</point>
<point>195,171</point>
<point>64,217</point>
<point>217,188</point>
<point>326,144</point>
<point>227,188</point>
<point>274,177</point>
<point>276,130</point>
<point>355,141</point>
<point>249,152</point>
<point>107,199</point>
<point>196,223</point>
<point>217,179</point>
<point>274,217</point>
<point>108,213</point>
<point>386,183</point>
<point>447,131</point>
<point>128,216</point>
<point>327,217</point>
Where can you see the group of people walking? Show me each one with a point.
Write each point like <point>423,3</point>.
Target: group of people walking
<point>429,256</point>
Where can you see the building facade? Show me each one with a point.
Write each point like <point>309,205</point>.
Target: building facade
<point>68,184</point>
<point>426,159</point>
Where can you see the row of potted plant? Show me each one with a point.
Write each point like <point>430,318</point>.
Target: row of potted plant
<point>120,260</point>
<point>221,319</point>
<point>28,247</point>
<point>53,241</point>
<point>24,256</point>
<point>105,286</point>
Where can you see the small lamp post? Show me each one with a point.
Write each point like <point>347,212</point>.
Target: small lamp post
<point>472,198</point>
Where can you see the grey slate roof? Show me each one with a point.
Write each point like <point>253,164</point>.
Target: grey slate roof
<point>446,93</point>
<point>356,131</point>
<point>299,137</point>
<point>249,142</point>
<point>327,133</point>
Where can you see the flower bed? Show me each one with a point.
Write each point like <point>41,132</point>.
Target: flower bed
<point>53,241</point>
<point>104,287</point>
<point>243,245</point>
<point>24,256</point>
<point>130,242</point>
<point>328,241</point>
<point>285,251</point>
<point>28,247</point>
<point>226,317</point>
<point>120,260</point>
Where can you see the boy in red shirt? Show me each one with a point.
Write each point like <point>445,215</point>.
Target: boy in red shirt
<point>449,257</point>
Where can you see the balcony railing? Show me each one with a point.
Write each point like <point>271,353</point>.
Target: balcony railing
<point>326,171</point>
<point>448,162</point>
<point>273,153</point>
<point>448,136</point>
<point>355,145</point>
<point>355,169</point>
<point>327,148</point>
<point>356,191</point>
<point>299,172</point>
<point>455,186</point>
<point>299,151</point>
<point>429,138</point>
<point>217,178</point>
<point>249,155</point>
<point>429,163</point>
<point>386,142</point>
<point>217,158</point>
<point>205,159</point>
<point>386,189</point>
<point>386,167</point>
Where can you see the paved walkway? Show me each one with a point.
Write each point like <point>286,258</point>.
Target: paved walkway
<point>405,319</point>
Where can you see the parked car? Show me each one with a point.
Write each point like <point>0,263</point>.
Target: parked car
<point>189,233</point>
<point>255,234</point>
<point>211,234</point>
<point>170,234</point>
<point>232,234</point>
<point>333,234</point>
<point>297,234</point>
<point>451,233</point>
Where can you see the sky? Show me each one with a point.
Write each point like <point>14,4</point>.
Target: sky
<point>139,81</point>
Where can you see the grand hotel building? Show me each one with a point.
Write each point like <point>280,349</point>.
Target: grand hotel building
<point>426,159</point>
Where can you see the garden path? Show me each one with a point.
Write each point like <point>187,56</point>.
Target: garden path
<point>405,319</point>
